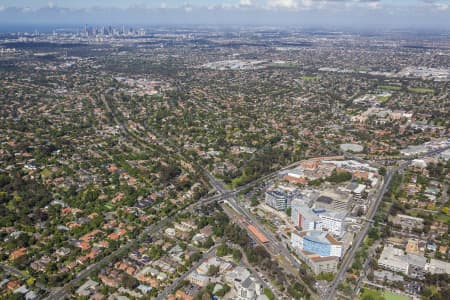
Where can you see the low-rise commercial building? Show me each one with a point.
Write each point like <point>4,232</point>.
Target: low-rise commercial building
<point>408,222</point>
<point>393,259</point>
<point>198,279</point>
<point>396,260</point>
<point>384,275</point>
<point>438,267</point>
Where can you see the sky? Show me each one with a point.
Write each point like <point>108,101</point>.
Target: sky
<point>308,13</point>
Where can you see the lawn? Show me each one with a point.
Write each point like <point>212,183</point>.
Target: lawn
<point>441,217</point>
<point>46,173</point>
<point>383,99</point>
<point>390,87</point>
<point>421,90</point>
<point>392,296</point>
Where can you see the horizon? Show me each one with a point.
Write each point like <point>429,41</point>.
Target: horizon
<point>354,14</point>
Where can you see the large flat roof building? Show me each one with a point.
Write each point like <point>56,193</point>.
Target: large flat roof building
<point>319,264</point>
<point>438,267</point>
<point>335,200</point>
<point>393,259</point>
<point>414,150</point>
<point>408,222</point>
<point>396,260</point>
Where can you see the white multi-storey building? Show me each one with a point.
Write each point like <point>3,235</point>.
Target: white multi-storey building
<point>333,222</point>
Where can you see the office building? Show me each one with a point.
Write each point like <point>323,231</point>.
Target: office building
<point>335,200</point>
<point>357,190</point>
<point>278,199</point>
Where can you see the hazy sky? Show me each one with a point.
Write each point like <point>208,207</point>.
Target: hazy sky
<point>354,13</point>
<point>174,3</point>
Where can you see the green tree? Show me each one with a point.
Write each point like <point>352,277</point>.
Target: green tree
<point>369,294</point>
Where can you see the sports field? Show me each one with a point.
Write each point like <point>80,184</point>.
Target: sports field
<point>392,296</point>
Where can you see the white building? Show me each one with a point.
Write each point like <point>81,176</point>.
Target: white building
<point>438,267</point>
<point>322,264</point>
<point>200,280</point>
<point>249,289</point>
<point>414,150</point>
<point>393,259</point>
<point>333,222</point>
<point>246,287</point>
<point>445,155</point>
<point>357,190</point>
<point>296,240</point>
<point>396,260</point>
<point>320,256</point>
<point>335,200</point>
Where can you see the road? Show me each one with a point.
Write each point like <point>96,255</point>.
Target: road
<point>62,292</point>
<point>223,194</point>
<point>14,271</point>
<point>274,246</point>
<point>168,290</point>
<point>366,263</point>
<point>211,252</point>
<point>348,259</point>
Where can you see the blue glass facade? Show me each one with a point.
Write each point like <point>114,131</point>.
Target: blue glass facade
<point>313,245</point>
